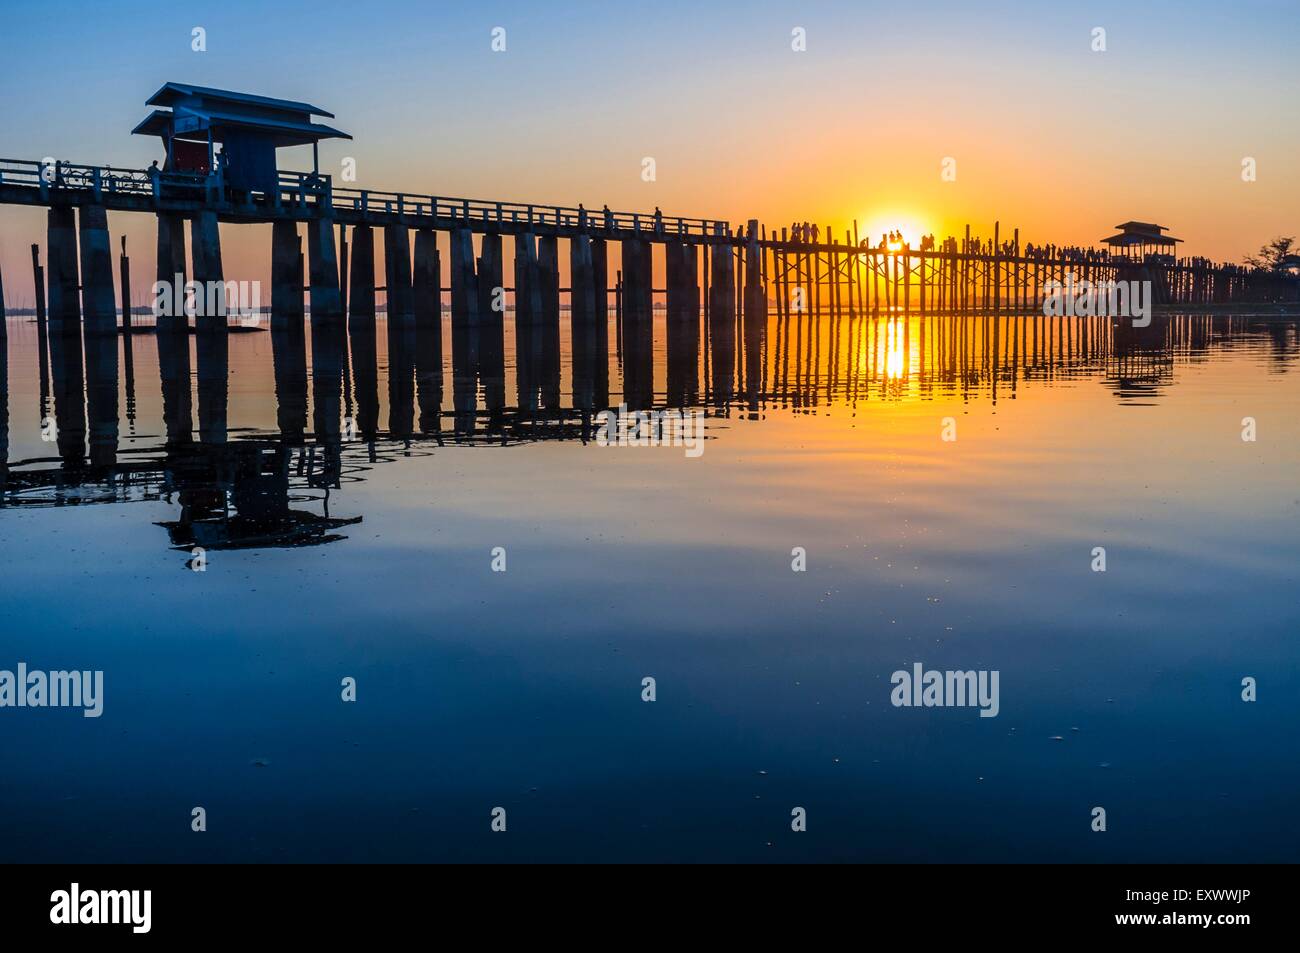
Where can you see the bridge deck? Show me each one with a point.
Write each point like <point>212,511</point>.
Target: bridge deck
<point>302,196</point>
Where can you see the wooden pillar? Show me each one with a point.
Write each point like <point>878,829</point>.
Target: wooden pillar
<point>464,305</point>
<point>548,273</point>
<point>326,299</point>
<point>682,322</point>
<point>755,300</point>
<point>600,320</point>
<point>582,322</point>
<point>491,332</point>
<point>426,282</point>
<point>361,300</point>
<point>64,280</point>
<point>722,321</point>
<point>171,268</point>
<point>638,331</point>
<point>528,308</point>
<point>287,309</point>
<point>210,302</point>
<point>98,298</point>
<point>361,329</point>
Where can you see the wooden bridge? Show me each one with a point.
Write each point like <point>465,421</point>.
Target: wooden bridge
<point>732,274</point>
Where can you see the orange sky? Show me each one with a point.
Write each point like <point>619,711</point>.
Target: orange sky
<point>1047,134</point>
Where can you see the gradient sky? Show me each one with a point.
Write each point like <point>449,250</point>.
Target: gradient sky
<point>1048,136</point>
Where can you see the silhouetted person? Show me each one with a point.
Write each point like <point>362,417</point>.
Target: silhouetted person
<point>582,217</point>
<point>659,220</point>
<point>609,218</point>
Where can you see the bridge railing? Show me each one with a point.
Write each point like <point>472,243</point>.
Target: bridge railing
<point>311,188</point>
<point>51,176</point>
<point>479,210</point>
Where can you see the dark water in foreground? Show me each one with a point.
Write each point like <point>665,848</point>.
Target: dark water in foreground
<point>522,689</point>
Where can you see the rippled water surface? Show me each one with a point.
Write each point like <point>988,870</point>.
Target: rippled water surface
<point>348,503</point>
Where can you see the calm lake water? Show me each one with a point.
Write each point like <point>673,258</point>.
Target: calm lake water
<point>523,689</point>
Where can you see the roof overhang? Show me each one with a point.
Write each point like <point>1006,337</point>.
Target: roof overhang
<point>172,93</point>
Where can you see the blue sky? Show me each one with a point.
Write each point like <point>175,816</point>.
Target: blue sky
<point>1050,136</point>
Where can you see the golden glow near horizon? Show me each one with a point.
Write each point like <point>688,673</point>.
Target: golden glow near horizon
<point>880,224</point>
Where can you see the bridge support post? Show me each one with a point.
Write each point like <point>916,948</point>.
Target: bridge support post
<point>286,283</point>
<point>397,276</point>
<point>174,372</point>
<point>682,321</point>
<point>464,327</point>
<point>326,299</point>
<point>755,317</point>
<point>582,316</point>
<point>491,317</point>
<point>426,289</point>
<point>548,276</point>
<point>361,299</point>
<point>600,320</point>
<point>401,330</point>
<point>722,320</point>
<point>64,280</point>
<point>528,306</point>
<point>638,330</point>
<point>171,273</point>
<point>98,300</point>
<point>426,282</point>
<point>205,248</point>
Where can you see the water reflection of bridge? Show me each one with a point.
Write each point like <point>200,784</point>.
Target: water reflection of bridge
<point>236,489</point>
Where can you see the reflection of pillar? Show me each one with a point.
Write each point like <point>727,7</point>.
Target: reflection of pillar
<point>64,281</point>
<point>69,394</point>
<point>98,300</point>
<point>205,248</point>
<point>289,359</point>
<point>326,299</point>
<point>327,339</point>
<point>286,283</point>
<point>101,397</point>
<point>174,375</point>
<point>212,359</point>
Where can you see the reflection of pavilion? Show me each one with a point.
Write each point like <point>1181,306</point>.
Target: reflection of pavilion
<point>236,496</point>
<point>1141,359</point>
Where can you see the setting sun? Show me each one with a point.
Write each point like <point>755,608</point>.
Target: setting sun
<point>880,224</point>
